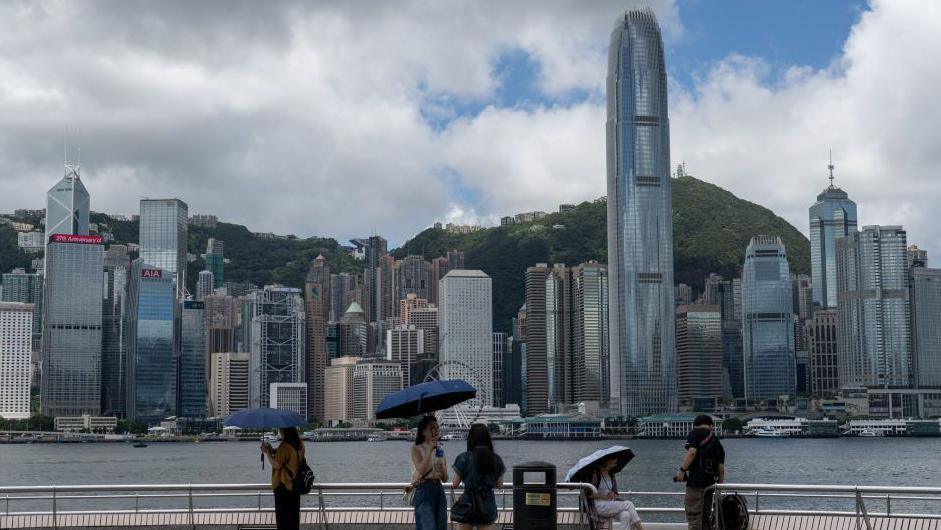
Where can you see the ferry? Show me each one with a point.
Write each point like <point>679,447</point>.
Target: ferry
<point>454,436</point>
<point>376,438</point>
<point>868,433</point>
<point>767,432</point>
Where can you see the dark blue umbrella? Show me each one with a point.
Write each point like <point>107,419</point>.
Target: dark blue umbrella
<point>424,398</point>
<point>264,418</point>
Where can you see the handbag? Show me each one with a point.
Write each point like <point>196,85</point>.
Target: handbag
<point>469,507</point>
<point>409,493</point>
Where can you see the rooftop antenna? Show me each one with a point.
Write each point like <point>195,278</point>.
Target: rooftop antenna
<point>830,167</point>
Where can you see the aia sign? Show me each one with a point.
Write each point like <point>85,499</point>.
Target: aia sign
<point>151,273</point>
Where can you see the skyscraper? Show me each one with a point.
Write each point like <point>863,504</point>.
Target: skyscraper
<point>372,382</point>
<point>699,353</point>
<point>228,383</point>
<point>164,225</point>
<point>277,340</point>
<point>342,286</point>
<point>822,344</point>
<point>727,294</point>
<point>26,288</point>
<point>376,247</point>
<point>500,343</point>
<point>833,216</point>
<point>317,313</point>
<point>640,227</point>
<point>114,346</point>
<point>405,345</point>
<point>191,402</point>
<point>204,285</point>
<point>926,326</point>
<point>152,354</point>
<point>873,310</point>
<point>411,276</point>
<point>536,366</point>
<point>16,327</point>
<point>67,205</point>
<point>465,317</point>
<point>71,380</point>
<point>215,261</point>
<point>768,326</point>
<point>590,326</point>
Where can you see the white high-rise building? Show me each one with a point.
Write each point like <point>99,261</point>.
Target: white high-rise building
<point>338,389</point>
<point>228,383</point>
<point>465,317</point>
<point>16,334</point>
<point>289,396</point>
<point>372,382</point>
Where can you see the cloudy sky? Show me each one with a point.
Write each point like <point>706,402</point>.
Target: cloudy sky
<point>352,118</point>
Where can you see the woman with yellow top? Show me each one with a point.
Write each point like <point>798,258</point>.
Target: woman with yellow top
<point>285,463</point>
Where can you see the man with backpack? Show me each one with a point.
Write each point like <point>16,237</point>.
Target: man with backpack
<point>703,466</point>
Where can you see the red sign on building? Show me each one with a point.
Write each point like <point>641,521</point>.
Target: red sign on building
<point>74,238</point>
<point>151,273</point>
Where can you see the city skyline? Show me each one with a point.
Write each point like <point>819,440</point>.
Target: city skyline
<point>465,159</point>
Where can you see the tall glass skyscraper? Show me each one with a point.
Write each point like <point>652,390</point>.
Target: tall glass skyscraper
<point>193,362</point>
<point>114,346</point>
<point>873,312</point>
<point>152,357</point>
<point>71,380</point>
<point>832,216</point>
<point>164,225</point>
<point>926,326</point>
<point>640,227</point>
<point>23,287</point>
<point>67,205</point>
<point>768,325</point>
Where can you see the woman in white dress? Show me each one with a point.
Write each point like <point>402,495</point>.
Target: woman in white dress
<point>606,500</point>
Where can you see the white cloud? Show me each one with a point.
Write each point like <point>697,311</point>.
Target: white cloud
<point>308,118</point>
<point>765,135</point>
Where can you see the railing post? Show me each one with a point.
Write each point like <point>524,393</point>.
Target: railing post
<point>8,503</point>
<point>55,521</point>
<point>136,502</point>
<point>861,511</point>
<point>888,505</point>
<point>756,502</point>
<point>381,501</point>
<point>323,509</point>
<point>192,521</point>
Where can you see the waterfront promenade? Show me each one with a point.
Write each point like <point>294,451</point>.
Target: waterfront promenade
<point>355,506</point>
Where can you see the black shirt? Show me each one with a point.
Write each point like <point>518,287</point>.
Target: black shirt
<point>704,471</point>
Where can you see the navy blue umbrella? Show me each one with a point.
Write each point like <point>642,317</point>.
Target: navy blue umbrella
<point>424,398</point>
<point>264,418</point>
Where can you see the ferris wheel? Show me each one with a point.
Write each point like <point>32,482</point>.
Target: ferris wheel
<point>463,415</point>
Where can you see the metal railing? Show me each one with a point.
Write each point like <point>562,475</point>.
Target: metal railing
<point>190,501</point>
<point>187,499</point>
<point>861,498</point>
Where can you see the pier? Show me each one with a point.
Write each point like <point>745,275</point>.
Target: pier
<point>354,506</point>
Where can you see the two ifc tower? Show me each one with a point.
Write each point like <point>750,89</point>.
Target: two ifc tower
<point>640,225</point>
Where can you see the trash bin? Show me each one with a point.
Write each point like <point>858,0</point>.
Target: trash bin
<point>534,496</point>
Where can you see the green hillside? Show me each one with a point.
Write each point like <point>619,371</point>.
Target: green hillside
<point>711,228</point>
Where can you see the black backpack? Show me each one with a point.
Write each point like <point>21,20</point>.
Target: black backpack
<point>732,513</point>
<point>707,455</point>
<point>303,482</point>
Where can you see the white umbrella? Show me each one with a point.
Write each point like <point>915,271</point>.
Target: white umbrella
<point>624,455</point>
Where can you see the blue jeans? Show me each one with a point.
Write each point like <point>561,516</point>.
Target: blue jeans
<point>431,507</point>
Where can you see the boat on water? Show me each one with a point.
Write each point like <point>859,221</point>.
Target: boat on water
<point>767,432</point>
<point>454,436</point>
<point>140,444</point>
<point>376,438</point>
<point>868,433</point>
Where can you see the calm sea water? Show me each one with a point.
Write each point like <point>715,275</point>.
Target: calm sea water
<point>875,461</point>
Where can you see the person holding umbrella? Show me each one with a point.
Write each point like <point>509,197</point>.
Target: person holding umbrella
<point>429,470</point>
<point>600,468</point>
<point>285,462</point>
